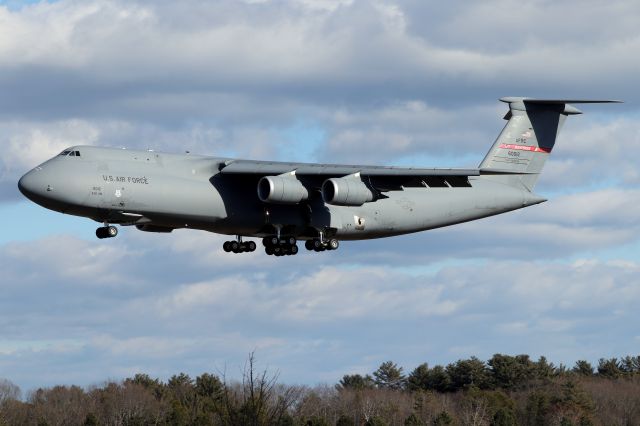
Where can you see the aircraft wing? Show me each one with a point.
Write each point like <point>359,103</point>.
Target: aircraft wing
<point>335,170</point>
<point>382,177</point>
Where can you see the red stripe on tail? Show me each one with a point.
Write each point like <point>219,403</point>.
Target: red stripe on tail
<point>524,148</point>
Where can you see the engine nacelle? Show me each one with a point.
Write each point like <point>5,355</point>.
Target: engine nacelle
<point>281,190</point>
<point>153,228</point>
<point>346,192</point>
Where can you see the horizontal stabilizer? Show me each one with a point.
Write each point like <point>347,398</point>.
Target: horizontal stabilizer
<point>561,105</point>
<point>511,99</point>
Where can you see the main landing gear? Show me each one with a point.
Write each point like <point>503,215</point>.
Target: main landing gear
<point>238,246</point>
<point>281,246</point>
<point>275,246</point>
<point>106,232</point>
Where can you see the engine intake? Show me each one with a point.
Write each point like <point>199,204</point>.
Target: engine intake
<point>346,192</point>
<point>281,190</point>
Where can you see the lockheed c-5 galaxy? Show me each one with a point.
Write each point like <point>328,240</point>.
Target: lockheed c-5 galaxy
<point>282,203</point>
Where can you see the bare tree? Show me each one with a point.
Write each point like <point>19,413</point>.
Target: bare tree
<point>8,391</point>
<point>258,400</point>
<point>475,412</point>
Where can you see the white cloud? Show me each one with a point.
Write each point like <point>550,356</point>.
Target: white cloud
<point>333,317</point>
<point>326,295</point>
<point>28,144</point>
<point>610,208</point>
<point>384,82</point>
<point>409,128</point>
<point>42,34</point>
<point>62,257</point>
<point>595,153</point>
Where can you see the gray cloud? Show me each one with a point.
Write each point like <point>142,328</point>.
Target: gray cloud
<point>98,55</point>
<point>485,26</point>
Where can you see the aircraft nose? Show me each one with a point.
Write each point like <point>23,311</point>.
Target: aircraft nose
<point>32,185</point>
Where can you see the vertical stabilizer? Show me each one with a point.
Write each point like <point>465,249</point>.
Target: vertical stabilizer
<point>528,138</point>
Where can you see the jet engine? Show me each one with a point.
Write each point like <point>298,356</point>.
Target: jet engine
<point>346,192</point>
<point>281,190</point>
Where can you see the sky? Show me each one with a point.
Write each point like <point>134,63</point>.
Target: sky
<point>409,82</point>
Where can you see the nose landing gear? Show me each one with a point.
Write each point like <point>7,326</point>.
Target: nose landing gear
<point>318,245</point>
<point>322,244</point>
<point>106,232</point>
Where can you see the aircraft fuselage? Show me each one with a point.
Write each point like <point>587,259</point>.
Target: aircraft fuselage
<point>188,191</point>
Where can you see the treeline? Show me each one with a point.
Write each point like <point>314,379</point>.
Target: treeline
<point>505,390</point>
<point>500,372</point>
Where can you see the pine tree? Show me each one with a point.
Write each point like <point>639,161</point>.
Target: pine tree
<point>389,376</point>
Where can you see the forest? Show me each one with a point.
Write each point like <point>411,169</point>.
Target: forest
<point>504,390</point>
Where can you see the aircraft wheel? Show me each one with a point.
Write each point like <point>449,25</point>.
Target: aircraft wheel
<point>291,241</point>
<point>226,246</point>
<point>273,241</point>
<point>251,246</point>
<point>317,245</point>
<point>333,244</point>
<point>106,232</point>
<point>234,246</point>
<point>308,245</point>
<point>269,250</point>
<point>294,249</point>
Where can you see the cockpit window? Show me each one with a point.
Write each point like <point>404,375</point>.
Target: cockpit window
<point>73,154</point>
<point>65,152</point>
<point>70,153</point>
<point>77,153</point>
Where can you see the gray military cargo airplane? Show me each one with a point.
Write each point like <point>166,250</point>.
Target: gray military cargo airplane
<point>285,202</point>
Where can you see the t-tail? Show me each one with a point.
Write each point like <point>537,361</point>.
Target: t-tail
<point>528,138</point>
